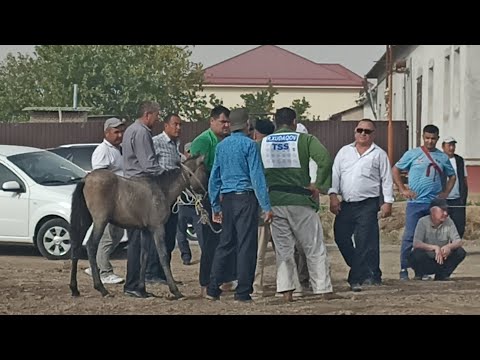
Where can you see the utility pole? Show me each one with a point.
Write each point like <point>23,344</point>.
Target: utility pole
<point>389,65</point>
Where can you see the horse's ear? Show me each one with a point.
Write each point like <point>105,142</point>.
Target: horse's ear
<point>199,160</point>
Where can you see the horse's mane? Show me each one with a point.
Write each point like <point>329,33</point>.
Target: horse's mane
<point>168,177</point>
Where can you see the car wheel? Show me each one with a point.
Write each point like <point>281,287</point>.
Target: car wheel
<point>53,239</point>
<point>191,235</point>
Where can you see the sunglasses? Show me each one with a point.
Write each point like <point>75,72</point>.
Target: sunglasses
<point>366,131</point>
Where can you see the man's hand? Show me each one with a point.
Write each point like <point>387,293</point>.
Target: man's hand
<point>438,255</point>
<point>442,195</point>
<point>385,210</point>
<point>315,193</point>
<point>408,194</point>
<point>446,251</point>
<point>268,217</point>
<point>335,206</point>
<point>217,217</point>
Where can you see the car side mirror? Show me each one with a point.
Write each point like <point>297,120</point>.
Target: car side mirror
<point>12,186</point>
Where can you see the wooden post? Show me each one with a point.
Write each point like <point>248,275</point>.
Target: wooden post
<point>389,65</point>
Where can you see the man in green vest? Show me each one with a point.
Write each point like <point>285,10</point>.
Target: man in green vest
<point>286,155</point>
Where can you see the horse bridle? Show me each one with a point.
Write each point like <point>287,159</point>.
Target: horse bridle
<point>204,216</point>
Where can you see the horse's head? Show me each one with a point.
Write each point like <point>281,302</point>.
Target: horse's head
<point>196,174</point>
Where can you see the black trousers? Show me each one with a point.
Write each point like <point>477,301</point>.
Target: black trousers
<point>132,281</point>
<point>359,219</point>
<point>154,268</point>
<point>187,214</point>
<point>458,214</point>
<point>239,239</point>
<point>210,243</point>
<point>423,262</point>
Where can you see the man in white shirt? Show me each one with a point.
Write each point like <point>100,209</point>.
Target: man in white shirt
<point>457,198</point>
<point>108,155</point>
<point>361,174</point>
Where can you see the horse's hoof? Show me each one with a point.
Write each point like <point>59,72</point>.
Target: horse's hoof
<point>75,293</point>
<point>108,295</point>
<point>178,296</point>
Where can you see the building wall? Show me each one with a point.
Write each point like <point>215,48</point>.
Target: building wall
<point>353,115</point>
<point>428,61</point>
<point>450,97</point>
<point>324,102</point>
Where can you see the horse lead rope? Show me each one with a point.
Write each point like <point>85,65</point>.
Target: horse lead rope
<point>196,200</point>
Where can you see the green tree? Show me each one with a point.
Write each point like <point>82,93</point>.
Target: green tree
<point>301,107</point>
<point>260,103</point>
<point>112,79</point>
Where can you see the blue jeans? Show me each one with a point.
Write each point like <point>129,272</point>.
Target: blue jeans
<point>413,213</point>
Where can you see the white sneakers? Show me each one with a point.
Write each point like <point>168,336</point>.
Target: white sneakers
<point>112,279</point>
<point>108,279</point>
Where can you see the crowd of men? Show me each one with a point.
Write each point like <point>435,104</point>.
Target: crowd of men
<point>265,178</point>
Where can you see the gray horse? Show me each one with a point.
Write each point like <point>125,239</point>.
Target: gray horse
<point>141,203</point>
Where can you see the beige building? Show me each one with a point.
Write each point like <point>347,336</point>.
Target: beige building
<point>329,88</point>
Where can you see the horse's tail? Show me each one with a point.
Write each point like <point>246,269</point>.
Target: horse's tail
<point>80,218</point>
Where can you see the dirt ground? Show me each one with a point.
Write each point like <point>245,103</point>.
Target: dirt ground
<point>30,284</point>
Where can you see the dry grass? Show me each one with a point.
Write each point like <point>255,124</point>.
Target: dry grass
<point>391,229</point>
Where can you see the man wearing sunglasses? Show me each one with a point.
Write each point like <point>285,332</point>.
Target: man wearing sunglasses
<point>361,174</point>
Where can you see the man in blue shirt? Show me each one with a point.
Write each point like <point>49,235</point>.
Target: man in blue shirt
<point>237,174</point>
<point>427,169</point>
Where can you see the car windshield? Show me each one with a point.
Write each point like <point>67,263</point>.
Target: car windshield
<point>48,169</point>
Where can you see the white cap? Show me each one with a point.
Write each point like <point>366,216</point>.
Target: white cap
<point>448,140</point>
<point>301,129</point>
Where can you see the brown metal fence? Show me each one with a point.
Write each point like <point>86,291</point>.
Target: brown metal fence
<point>333,134</point>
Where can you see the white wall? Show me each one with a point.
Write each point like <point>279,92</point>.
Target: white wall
<point>460,117</point>
<point>323,101</point>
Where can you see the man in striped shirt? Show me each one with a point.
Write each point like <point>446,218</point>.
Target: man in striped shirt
<point>167,152</point>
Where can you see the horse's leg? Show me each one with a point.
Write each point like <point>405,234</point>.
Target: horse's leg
<point>92,247</point>
<point>159,237</point>
<point>145,243</point>
<point>76,249</point>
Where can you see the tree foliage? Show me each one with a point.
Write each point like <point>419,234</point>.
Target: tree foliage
<point>112,79</point>
<point>260,103</point>
<point>301,107</point>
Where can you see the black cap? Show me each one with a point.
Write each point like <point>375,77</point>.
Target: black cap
<point>441,203</point>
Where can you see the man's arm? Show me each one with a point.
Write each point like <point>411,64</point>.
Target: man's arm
<point>321,156</point>
<point>200,146</point>
<point>257,177</point>
<point>214,185</point>
<point>419,238</point>
<point>100,159</point>
<point>143,146</point>
<point>335,189</point>
<point>387,185</point>
<point>448,187</point>
<point>418,242</point>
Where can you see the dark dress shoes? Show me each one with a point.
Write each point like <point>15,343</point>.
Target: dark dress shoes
<point>138,294</point>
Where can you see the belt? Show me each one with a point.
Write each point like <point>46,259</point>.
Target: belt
<point>239,192</point>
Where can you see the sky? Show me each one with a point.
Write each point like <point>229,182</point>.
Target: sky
<point>357,58</point>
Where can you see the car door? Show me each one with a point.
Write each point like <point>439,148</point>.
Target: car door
<point>14,208</point>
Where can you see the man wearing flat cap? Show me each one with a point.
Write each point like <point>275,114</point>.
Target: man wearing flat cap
<point>437,247</point>
<point>457,198</point>
<point>108,155</point>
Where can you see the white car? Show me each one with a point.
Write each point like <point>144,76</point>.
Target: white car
<point>35,199</point>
